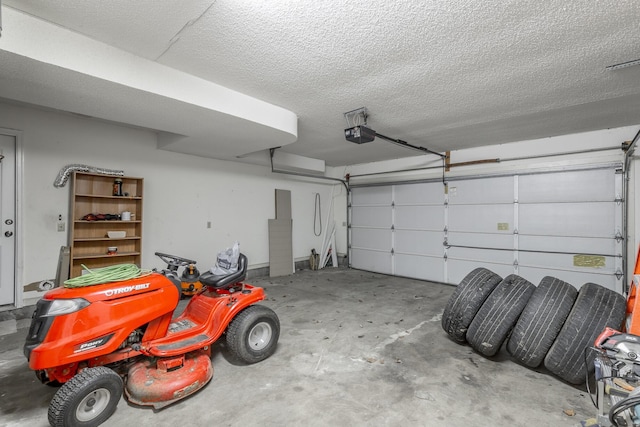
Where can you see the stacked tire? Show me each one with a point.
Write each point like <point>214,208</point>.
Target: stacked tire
<point>551,323</point>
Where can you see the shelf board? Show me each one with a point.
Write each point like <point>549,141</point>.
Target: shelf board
<point>104,239</point>
<point>104,196</point>
<point>107,221</point>
<point>117,255</point>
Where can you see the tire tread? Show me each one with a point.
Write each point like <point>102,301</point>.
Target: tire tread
<point>595,308</point>
<point>491,325</point>
<point>541,321</point>
<point>466,300</point>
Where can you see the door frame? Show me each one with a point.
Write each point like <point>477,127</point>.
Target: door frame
<point>18,249</point>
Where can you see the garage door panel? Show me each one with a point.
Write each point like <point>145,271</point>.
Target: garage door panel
<point>419,242</point>
<point>379,262</point>
<point>371,238</point>
<point>372,196</point>
<point>570,262</point>
<point>419,267</point>
<point>371,216</point>
<point>570,186</point>
<point>499,257</point>
<point>422,193</point>
<point>481,240</point>
<point>481,218</point>
<point>576,278</point>
<point>419,217</point>
<point>567,219</point>
<point>479,191</point>
<point>587,245</point>
<point>457,269</point>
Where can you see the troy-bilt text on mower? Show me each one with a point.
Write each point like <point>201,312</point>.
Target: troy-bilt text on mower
<point>98,340</point>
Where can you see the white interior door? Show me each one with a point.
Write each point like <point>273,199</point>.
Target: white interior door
<point>7,216</point>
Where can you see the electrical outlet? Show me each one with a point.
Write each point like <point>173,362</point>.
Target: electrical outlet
<point>61,226</point>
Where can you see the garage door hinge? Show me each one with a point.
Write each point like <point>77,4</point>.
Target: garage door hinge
<point>392,227</point>
<point>515,231</point>
<point>515,263</point>
<point>392,251</point>
<point>619,237</point>
<point>1,157</point>
<point>619,274</point>
<point>618,200</point>
<point>445,243</point>
<point>393,204</point>
<point>445,257</point>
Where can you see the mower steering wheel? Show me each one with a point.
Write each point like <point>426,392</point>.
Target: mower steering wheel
<point>174,261</point>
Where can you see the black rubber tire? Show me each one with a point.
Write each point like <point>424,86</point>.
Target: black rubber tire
<point>541,321</point>
<point>253,334</point>
<point>96,390</point>
<point>498,314</point>
<point>595,309</point>
<point>466,300</point>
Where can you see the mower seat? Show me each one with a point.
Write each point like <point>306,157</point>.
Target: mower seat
<point>226,281</point>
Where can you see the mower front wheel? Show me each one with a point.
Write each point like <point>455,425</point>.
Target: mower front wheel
<point>87,400</point>
<point>253,334</point>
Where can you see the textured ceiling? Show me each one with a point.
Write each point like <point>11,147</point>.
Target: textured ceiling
<point>443,74</point>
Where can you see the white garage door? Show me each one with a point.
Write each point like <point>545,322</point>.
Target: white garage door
<point>567,224</point>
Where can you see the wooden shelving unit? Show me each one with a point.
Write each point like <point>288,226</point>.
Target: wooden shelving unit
<point>93,194</point>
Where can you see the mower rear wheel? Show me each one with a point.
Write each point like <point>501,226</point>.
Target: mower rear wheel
<point>253,334</point>
<point>87,400</point>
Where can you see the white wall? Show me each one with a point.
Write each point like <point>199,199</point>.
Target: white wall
<point>181,193</point>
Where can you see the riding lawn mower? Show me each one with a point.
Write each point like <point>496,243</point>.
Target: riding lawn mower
<point>98,341</point>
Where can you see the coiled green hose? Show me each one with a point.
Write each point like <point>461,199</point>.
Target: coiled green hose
<point>112,273</point>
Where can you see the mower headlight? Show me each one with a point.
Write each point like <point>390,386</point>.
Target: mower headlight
<point>65,306</point>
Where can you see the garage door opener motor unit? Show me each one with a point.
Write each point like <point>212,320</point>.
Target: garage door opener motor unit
<point>359,132</point>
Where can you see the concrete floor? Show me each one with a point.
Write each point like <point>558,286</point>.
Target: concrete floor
<point>355,349</point>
